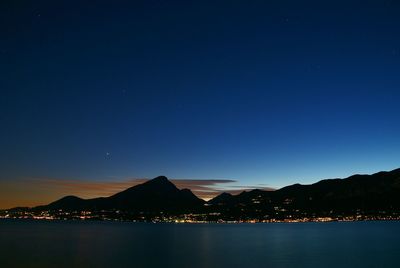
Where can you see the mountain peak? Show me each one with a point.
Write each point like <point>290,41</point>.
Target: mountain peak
<point>158,194</point>
<point>160,178</point>
<point>221,198</point>
<point>157,185</point>
<point>225,194</point>
<point>160,181</point>
<point>69,201</point>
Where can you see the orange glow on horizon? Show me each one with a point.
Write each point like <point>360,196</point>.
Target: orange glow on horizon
<point>34,192</point>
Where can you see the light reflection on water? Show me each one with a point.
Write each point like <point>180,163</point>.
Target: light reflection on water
<point>117,244</point>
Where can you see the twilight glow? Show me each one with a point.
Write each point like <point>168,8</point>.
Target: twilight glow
<point>292,94</point>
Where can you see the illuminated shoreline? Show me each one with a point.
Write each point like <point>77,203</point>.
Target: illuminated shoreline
<point>193,218</point>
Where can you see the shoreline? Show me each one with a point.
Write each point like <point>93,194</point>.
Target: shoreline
<point>198,222</point>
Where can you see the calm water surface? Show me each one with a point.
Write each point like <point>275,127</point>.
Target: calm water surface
<point>116,244</point>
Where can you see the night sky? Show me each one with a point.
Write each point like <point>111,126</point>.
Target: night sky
<point>234,94</point>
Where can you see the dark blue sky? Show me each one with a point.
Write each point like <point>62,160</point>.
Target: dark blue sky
<point>262,92</point>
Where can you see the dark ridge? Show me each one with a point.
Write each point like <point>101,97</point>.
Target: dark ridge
<point>156,195</point>
<point>373,194</point>
<point>221,199</point>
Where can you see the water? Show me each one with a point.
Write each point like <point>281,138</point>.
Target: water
<point>117,244</point>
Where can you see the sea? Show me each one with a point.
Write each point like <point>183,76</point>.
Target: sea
<point>30,243</point>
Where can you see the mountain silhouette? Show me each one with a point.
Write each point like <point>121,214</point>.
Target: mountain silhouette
<point>358,194</point>
<point>156,195</point>
<point>222,199</point>
<point>379,192</point>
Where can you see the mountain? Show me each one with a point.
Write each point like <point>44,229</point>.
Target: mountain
<point>156,195</point>
<point>68,203</point>
<point>380,191</point>
<point>377,193</point>
<point>222,199</point>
